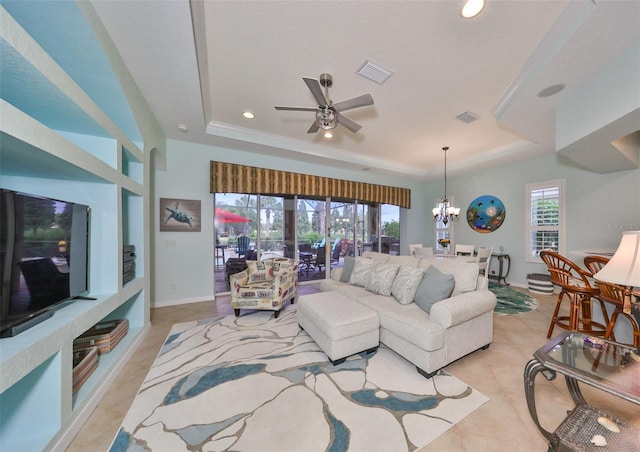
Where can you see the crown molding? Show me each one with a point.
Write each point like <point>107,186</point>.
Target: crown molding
<point>319,152</point>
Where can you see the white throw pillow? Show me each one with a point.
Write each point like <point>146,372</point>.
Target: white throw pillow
<point>361,269</point>
<point>380,278</point>
<point>406,283</point>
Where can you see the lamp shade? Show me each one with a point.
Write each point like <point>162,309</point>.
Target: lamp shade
<point>624,266</point>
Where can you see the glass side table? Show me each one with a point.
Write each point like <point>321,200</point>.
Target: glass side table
<point>605,365</point>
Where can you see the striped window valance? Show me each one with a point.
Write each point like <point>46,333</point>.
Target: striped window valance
<point>233,178</point>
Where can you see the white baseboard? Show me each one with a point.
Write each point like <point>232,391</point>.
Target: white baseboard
<point>165,303</point>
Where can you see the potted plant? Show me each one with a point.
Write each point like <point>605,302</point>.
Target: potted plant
<point>444,243</point>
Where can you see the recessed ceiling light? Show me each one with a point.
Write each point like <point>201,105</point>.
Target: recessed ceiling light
<point>472,8</point>
<point>551,90</point>
<point>182,127</point>
<point>328,135</point>
<point>248,115</point>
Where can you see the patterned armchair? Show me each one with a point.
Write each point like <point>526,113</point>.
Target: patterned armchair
<point>264,285</point>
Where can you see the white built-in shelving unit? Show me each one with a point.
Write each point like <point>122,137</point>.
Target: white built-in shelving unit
<point>45,149</point>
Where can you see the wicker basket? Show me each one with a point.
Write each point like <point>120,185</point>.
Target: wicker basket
<point>540,283</point>
<point>84,363</point>
<point>104,335</point>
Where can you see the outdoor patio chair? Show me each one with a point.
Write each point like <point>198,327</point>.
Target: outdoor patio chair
<point>320,261</point>
<point>335,254</point>
<point>243,245</point>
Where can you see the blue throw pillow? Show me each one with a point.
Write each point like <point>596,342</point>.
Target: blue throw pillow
<point>435,286</point>
<point>347,268</point>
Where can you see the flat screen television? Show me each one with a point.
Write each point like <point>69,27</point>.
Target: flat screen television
<point>44,257</point>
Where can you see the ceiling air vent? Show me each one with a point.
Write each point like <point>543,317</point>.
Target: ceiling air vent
<point>467,117</point>
<point>374,72</point>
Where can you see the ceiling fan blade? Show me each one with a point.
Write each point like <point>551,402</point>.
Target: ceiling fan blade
<point>354,102</point>
<point>348,123</point>
<point>314,127</point>
<point>316,90</point>
<point>297,108</point>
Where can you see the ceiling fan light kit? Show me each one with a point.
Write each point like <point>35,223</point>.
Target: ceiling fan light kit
<point>326,118</point>
<point>328,114</point>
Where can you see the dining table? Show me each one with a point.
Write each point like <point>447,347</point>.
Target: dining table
<point>461,258</point>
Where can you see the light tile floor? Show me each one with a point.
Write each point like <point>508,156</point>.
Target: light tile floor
<point>503,423</point>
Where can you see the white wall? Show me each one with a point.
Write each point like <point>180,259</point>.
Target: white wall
<point>184,260</point>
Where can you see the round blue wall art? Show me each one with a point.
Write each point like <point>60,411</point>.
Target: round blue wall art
<point>485,214</point>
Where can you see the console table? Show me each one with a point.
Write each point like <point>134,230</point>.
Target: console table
<point>503,270</point>
<point>605,365</point>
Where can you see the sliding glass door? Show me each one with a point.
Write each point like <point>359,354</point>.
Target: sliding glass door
<point>271,237</point>
<point>318,232</point>
<point>311,224</point>
<point>390,227</point>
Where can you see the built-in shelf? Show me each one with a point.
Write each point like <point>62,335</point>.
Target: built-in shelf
<point>55,141</point>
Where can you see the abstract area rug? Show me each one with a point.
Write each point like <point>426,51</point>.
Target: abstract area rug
<point>259,383</point>
<point>512,301</point>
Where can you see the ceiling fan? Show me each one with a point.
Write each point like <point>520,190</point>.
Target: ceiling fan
<point>328,114</point>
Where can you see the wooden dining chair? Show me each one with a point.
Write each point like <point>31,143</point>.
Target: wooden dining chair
<point>424,252</point>
<point>463,250</point>
<point>595,263</point>
<point>482,259</point>
<point>614,294</point>
<point>413,247</point>
<point>575,285</point>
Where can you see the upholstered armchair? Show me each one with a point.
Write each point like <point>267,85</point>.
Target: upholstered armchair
<point>264,285</point>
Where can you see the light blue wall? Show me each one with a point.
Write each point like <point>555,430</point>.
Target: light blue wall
<point>184,260</point>
<point>598,206</point>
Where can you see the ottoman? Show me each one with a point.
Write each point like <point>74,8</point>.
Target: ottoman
<point>340,326</point>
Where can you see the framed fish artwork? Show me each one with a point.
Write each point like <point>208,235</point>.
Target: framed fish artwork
<point>485,214</point>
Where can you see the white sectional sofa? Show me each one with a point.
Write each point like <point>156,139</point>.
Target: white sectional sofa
<point>453,327</point>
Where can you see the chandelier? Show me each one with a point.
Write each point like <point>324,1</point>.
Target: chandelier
<point>446,211</point>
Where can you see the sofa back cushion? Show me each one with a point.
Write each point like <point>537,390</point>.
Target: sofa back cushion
<point>435,286</point>
<point>282,265</point>
<point>376,256</point>
<point>465,274</point>
<point>404,261</point>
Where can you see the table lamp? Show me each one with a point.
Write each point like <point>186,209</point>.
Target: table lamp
<point>624,269</point>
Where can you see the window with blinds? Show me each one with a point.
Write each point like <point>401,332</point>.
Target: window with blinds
<point>545,223</point>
